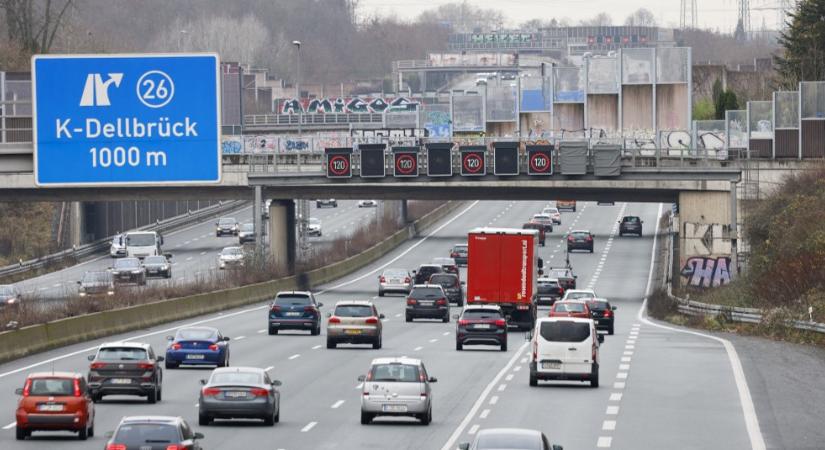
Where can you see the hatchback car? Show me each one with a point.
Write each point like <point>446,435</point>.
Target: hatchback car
<point>459,254</point>
<point>570,308</point>
<point>314,227</point>
<point>603,314</point>
<point>565,276</point>
<point>509,438</point>
<point>231,257</point>
<point>129,270</point>
<point>197,346</point>
<point>157,266</point>
<point>579,294</point>
<point>422,275</point>
<point>117,248</point>
<point>55,401</point>
<point>394,280</point>
<point>397,387</point>
<point>96,284</point>
<point>630,225</point>
<point>367,204</point>
<point>246,233</point>
<point>538,227</point>
<point>451,285</point>
<point>295,310</point>
<point>239,392</point>
<point>323,202</point>
<point>355,322</point>
<point>549,290</point>
<point>545,220</point>
<point>428,301</point>
<point>565,349</point>
<point>9,295</point>
<point>153,433</point>
<point>481,325</point>
<point>226,226</point>
<point>449,265</point>
<point>569,205</point>
<point>125,368</point>
<point>580,240</point>
<point>553,213</point>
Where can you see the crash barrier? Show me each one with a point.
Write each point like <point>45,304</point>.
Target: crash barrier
<point>37,338</point>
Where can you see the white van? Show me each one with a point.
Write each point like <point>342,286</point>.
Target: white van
<point>565,348</point>
<point>140,244</point>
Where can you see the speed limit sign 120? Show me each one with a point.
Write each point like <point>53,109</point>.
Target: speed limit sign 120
<point>472,161</point>
<point>339,162</point>
<point>405,161</point>
<point>540,159</point>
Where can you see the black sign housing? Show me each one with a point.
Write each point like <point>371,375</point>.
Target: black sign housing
<point>505,158</point>
<point>440,159</point>
<point>372,160</point>
<point>339,162</point>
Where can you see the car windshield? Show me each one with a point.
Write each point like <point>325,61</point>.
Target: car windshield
<point>547,283</point>
<point>580,234</point>
<point>231,251</point>
<point>395,273</point>
<point>117,240</point>
<point>481,314</point>
<point>155,260</point>
<point>508,441</point>
<point>236,378</point>
<point>7,290</point>
<point>248,227</point>
<point>551,211</point>
<point>631,219</point>
<point>227,221</point>
<point>314,221</point>
<point>353,311</point>
<point>97,277</point>
<point>140,239</point>
<point>122,354</point>
<point>541,217</point>
<point>127,263</point>
<point>51,386</point>
<point>292,300</point>
<point>136,434</point>
<point>460,248</point>
<point>425,292</point>
<point>565,331</point>
<point>195,334</point>
<point>573,295</point>
<point>568,307</point>
<point>447,281</point>
<point>599,306</point>
<point>400,373</point>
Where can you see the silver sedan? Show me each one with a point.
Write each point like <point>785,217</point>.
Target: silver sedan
<point>239,392</point>
<point>394,280</point>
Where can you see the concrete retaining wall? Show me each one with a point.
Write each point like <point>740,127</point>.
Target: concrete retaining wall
<point>37,338</point>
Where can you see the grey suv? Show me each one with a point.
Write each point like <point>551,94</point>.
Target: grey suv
<point>129,270</point>
<point>397,387</point>
<point>428,301</point>
<point>125,368</point>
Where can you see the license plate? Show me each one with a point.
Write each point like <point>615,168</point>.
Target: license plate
<point>194,356</point>
<point>153,271</point>
<point>394,408</point>
<point>482,326</point>
<point>426,303</point>
<point>50,408</point>
<point>235,394</point>
<point>551,365</point>
<point>121,381</point>
<point>352,331</point>
<point>293,314</point>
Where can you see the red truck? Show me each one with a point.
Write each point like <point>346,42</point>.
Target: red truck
<point>502,269</point>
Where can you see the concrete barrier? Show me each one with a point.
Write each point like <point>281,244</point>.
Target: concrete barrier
<point>38,338</point>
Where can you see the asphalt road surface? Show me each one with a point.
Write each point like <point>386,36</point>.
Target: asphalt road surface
<point>660,388</point>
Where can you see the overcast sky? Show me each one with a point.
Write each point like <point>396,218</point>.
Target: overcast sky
<point>719,15</point>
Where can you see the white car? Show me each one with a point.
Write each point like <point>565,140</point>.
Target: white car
<point>565,348</point>
<point>367,203</point>
<point>118,247</point>
<point>554,214</point>
<point>579,294</point>
<point>231,257</point>
<point>314,226</point>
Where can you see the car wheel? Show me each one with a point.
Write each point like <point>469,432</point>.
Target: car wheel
<point>20,433</point>
<point>273,330</point>
<point>610,330</point>
<point>427,417</point>
<point>446,318</point>
<point>204,420</point>
<point>269,420</point>
<point>92,430</point>
<point>316,330</point>
<point>594,376</point>
<point>152,398</point>
<point>170,365</point>
<point>591,249</point>
<point>504,345</point>
<point>408,318</point>
<point>534,380</point>
<point>96,398</point>
<point>621,234</point>
<point>366,418</point>
<point>377,343</point>
<point>278,414</point>
<point>83,434</point>
<point>331,344</point>
<point>160,394</point>
<point>459,346</point>
<point>380,292</point>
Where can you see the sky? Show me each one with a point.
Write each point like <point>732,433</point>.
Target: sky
<point>719,15</point>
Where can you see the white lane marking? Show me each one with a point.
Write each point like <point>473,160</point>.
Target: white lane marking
<point>619,385</point>
<point>451,442</point>
<point>609,425</point>
<point>398,315</point>
<point>629,347</point>
<point>628,353</point>
<point>624,366</point>
<point>626,358</point>
<point>269,368</point>
<point>745,399</point>
<point>509,377</point>
<point>261,331</point>
<point>240,337</point>
<point>446,333</point>
<point>433,341</point>
<point>473,429</point>
<point>308,427</point>
<point>417,349</point>
<point>316,347</point>
<point>616,397</point>
<point>502,387</point>
<point>401,255</point>
<point>297,355</point>
<point>494,399</point>
<point>10,426</point>
<point>612,410</point>
<point>484,414</point>
<point>524,360</point>
<point>203,253</point>
<point>604,442</point>
<point>189,258</point>
<point>337,404</point>
<point>359,385</point>
<point>516,369</point>
<point>621,375</point>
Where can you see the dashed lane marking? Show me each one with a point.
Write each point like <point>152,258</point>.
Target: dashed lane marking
<point>621,375</point>
<point>316,347</point>
<point>10,426</point>
<point>616,397</point>
<point>612,410</point>
<point>604,442</point>
<point>624,366</point>
<point>359,385</point>
<point>509,377</point>
<point>308,427</point>
<point>609,425</point>
<point>619,385</point>
<point>494,399</point>
<point>337,404</point>
<point>297,355</point>
<point>502,387</point>
<point>261,331</point>
<point>240,338</point>
<point>269,368</point>
<point>484,414</point>
<point>417,349</point>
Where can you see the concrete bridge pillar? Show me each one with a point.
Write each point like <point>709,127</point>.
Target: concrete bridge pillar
<point>282,234</point>
<point>707,238</point>
<point>403,219</point>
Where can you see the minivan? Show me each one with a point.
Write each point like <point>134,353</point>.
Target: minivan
<point>565,348</point>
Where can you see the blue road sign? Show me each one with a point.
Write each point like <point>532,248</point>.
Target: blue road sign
<point>118,120</point>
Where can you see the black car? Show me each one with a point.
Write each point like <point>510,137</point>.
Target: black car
<point>125,368</point>
<point>549,290</point>
<point>580,240</point>
<point>481,325</point>
<point>564,275</point>
<point>459,254</point>
<point>451,285</point>
<point>322,202</point>
<point>448,264</point>
<point>428,301</point>
<point>226,226</point>
<point>129,270</point>
<point>425,271</point>
<point>9,296</point>
<point>157,266</point>
<point>630,225</point>
<point>154,433</point>
<point>295,310</point>
<point>602,314</point>
<point>97,283</point>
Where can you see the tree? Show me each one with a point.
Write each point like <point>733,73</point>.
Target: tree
<point>463,17</point>
<point>802,57</point>
<point>642,17</point>
<point>726,101</point>
<point>33,24</point>
<point>704,109</point>
<point>600,20</point>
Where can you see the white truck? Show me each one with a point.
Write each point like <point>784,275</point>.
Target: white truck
<point>140,244</point>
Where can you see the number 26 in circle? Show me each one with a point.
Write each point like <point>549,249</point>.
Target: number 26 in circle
<point>155,89</point>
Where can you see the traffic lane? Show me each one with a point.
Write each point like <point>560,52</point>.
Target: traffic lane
<point>341,221</point>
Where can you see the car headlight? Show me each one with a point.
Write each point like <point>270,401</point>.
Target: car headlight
<point>164,267</point>
<point>110,293</point>
<point>82,294</point>
<point>136,271</point>
<point>11,301</point>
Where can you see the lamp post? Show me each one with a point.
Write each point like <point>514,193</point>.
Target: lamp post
<point>297,45</point>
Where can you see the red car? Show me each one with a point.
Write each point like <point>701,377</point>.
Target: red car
<point>54,401</point>
<point>571,308</point>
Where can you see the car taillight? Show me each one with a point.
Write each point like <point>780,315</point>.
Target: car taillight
<point>213,347</point>
<point>334,319</point>
<point>501,323</point>
<point>589,238</point>
<point>608,313</point>
<point>441,301</point>
<point>561,290</point>
<point>411,301</point>
<point>275,308</point>
<point>97,365</point>
<point>463,322</point>
<point>259,392</point>
<point>146,366</point>
<point>176,346</point>
<point>210,392</point>
<point>407,280</point>
<point>372,320</point>
<point>311,309</point>
<point>115,447</point>
<point>571,238</point>
<point>77,392</point>
<point>175,447</point>
<point>27,388</point>
<point>453,254</point>
<point>382,279</point>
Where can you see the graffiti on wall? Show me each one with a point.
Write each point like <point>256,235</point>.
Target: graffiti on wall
<point>437,124</point>
<point>231,145</point>
<point>356,105</point>
<point>706,271</point>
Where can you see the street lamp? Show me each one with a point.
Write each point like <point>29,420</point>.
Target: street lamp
<point>297,45</point>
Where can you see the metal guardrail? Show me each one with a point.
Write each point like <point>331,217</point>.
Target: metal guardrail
<point>101,245</point>
<point>253,120</point>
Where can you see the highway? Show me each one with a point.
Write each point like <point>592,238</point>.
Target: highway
<point>195,249</point>
<point>660,388</point>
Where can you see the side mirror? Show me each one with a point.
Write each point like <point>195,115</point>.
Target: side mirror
<point>464,283</point>
<point>414,272</point>
<point>168,255</point>
<point>381,316</point>
<point>170,338</point>
<point>160,359</point>
<point>320,305</point>
<point>618,221</point>
<point>575,276</point>
<point>329,314</point>
<point>641,221</point>
<point>601,338</point>
<point>541,272</point>
<point>276,383</point>
<point>203,382</point>
<point>433,380</point>
<point>18,391</point>
<point>362,378</point>
<point>464,446</point>
<point>613,308</point>
<point>226,338</point>
<point>200,436</point>
<point>91,357</point>
<point>541,263</point>
<point>79,283</point>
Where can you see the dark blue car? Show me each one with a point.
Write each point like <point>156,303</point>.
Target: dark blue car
<point>197,346</point>
<point>295,310</point>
